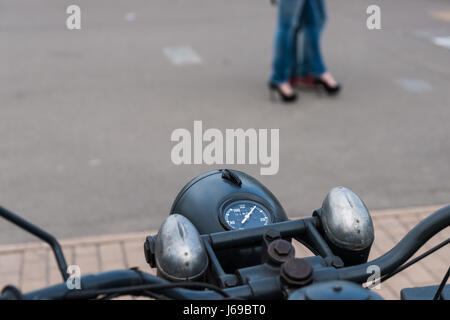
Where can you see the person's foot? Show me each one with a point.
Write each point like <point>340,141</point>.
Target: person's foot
<point>327,81</point>
<point>285,91</point>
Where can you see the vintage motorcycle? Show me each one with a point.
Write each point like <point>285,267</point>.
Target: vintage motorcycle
<point>228,237</point>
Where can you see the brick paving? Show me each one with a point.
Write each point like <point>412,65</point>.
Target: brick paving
<point>30,266</point>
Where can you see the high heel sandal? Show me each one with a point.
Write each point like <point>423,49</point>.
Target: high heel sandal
<point>331,90</point>
<point>275,89</point>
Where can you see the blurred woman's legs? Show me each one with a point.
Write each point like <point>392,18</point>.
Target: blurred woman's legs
<point>310,63</point>
<point>284,47</point>
<point>309,56</point>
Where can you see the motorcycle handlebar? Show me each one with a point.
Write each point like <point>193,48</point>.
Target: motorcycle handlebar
<point>264,288</point>
<point>113,279</point>
<point>399,254</point>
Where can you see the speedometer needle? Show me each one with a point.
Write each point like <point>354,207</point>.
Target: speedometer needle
<point>247,216</point>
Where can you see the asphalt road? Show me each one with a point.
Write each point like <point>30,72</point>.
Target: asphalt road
<point>86,115</point>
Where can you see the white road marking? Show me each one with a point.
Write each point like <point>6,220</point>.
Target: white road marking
<point>439,37</point>
<point>414,85</point>
<point>183,55</point>
<point>442,41</point>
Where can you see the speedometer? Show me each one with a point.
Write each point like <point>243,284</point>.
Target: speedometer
<point>244,214</point>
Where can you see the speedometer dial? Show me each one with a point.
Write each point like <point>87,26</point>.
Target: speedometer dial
<point>244,214</point>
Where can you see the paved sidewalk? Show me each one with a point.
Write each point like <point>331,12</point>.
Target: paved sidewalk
<point>31,266</point>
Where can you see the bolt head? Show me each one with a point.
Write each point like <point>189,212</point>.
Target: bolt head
<point>297,272</point>
<point>282,247</point>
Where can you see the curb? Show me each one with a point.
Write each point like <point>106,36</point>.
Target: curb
<point>119,237</point>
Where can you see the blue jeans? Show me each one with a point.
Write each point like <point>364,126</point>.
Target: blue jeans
<point>298,58</point>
